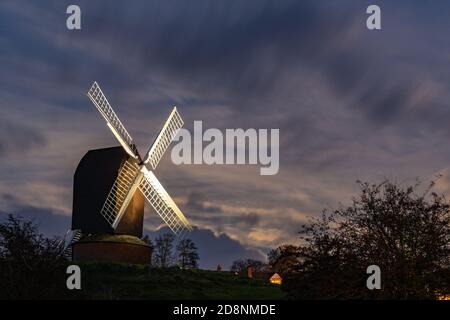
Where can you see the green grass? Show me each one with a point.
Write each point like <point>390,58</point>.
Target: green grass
<point>121,281</point>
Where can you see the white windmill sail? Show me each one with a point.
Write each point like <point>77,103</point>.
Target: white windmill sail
<point>165,137</point>
<point>121,193</point>
<point>98,98</point>
<point>163,204</point>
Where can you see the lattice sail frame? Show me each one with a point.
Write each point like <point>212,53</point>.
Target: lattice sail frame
<point>133,176</point>
<point>165,137</point>
<point>101,103</point>
<point>119,196</point>
<point>163,204</point>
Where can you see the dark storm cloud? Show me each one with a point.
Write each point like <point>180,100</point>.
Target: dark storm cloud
<point>249,219</point>
<point>232,52</point>
<point>222,218</point>
<point>196,200</point>
<point>238,47</point>
<point>198,204</point>
<point>246,49</point>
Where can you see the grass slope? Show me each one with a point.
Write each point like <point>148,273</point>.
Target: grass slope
<point>121,281</point>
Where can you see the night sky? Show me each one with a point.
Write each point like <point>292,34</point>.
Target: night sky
<point>351,104</point>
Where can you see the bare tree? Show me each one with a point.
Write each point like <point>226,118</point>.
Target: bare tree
<point>238,266</point>
<point>187,254</point>
<point>163,250</point>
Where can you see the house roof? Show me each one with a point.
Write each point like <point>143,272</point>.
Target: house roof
<point>275,276</point>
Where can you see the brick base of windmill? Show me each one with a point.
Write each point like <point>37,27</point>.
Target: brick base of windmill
<point>112,248</point>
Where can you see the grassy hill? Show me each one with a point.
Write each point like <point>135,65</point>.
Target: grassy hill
<point>121,281</point>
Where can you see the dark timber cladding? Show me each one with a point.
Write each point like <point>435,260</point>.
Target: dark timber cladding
<point>93,179</point>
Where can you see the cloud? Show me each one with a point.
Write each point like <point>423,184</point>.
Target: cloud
<point>249,219</point>
<point>47,221</point>
<point>197,201</point>
<point>35,194</point>
<point>18,138</point>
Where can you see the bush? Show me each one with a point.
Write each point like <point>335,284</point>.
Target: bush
<point>31,266</point>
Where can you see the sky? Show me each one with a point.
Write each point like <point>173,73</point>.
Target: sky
<point>351,104</point>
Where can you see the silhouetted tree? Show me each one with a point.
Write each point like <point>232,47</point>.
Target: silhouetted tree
<point>163,250</point>
<point>238,266</point>
<point>283,258</point>
<point>257,265</point>
<point>405,233</point>
<point>31,265</point>
<point>241,265</point>
<point>187,254</point>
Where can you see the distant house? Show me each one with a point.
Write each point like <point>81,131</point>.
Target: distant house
<point>444,297</point>
<point>275,279</point>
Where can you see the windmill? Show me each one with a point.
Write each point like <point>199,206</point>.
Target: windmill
<point>121,210</point>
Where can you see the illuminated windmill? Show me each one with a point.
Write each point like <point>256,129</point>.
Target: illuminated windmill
<point>121,211</point>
